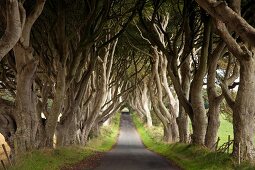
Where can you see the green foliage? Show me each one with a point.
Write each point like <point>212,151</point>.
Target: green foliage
<point>55,159</point>
<point>189,157</point>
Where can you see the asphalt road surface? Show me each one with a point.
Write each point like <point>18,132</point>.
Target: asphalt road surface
<point>130,154</point>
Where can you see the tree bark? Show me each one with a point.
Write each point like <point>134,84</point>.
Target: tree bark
<point>167,136</point>
<point>213,98</point>
<point>167,116</point>
<point>30,132</point>
<point>145,104</point>
<point>26,116</point>
<point>64,138</point>
<point>52,118</point>
<point>15,19</point>
<point>199,119</point>
<point>243,106</point>
<point>95,131</point>
<point>244,111</point>
<point>234,20</point>
<point>182,119</point>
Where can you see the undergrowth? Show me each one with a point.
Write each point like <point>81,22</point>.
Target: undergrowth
<point>186,156</point>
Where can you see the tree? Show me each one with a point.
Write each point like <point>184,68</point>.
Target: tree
<point>52,70</point>
<point>243,106</point>
<point>15,19</point>
<point>167,113</point>
<point>26,137</point>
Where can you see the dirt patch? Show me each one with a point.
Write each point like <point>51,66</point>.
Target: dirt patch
<point>88,163</point>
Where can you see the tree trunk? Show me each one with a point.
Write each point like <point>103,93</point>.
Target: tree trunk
<point>59,96</point>
<point>29,123</point>
<point>166,115</point>
<point>72,135</point>
<point>95,131</point>
<point>183,125</point>
<point>199,119</point>
<point>64,137</point>
<point>107,122</point>
<point>30,132</point>
<point>171,133</point>
<point>67,129</point>
<point>86,132</point>
<point>244,110</point>
<point>213,98</point>
<point>175,130</point>
<point>145,105</point>
<point>167,133</point>
<point>182,120</point>
<point>148,119</point>
<point>15,20</point>
<point>213,125</point>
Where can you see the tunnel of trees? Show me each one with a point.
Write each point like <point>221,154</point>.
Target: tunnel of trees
<point>66,66</point>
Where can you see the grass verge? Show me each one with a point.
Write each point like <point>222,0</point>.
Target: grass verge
<point>57,158</point>
<point>188,157</point>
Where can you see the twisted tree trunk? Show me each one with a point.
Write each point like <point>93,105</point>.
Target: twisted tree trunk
<point>199,119</point>
<point>15,19</point>
<point>213,98</point>
<point>30,132</point>
<point>146,105</point>
<point>243,106</point>
<point>244,111</point>
<point>59,96</point>
<point>166,115</point>
<point>29,124</point>
<point>182,119</point>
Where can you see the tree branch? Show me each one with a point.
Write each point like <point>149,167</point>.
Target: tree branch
<point>234,21</point>
<point>13,29</point>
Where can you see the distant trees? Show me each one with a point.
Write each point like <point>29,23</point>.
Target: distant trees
<point>140,101</point>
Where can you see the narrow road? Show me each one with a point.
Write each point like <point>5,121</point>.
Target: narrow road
<point>130,153</point>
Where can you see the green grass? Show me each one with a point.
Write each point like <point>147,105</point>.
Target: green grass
<point>225,129</point>
<point>57,158</point>
<point>189,157</point>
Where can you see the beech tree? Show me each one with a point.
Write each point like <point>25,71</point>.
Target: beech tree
<point>69,68</point>
<point>55,72</point>
<point>169,41</point>
<point>25,136</point>
<point>204,48</point>
<point>243,105</point>
<point>168,112</point>
<point>140,101</point>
